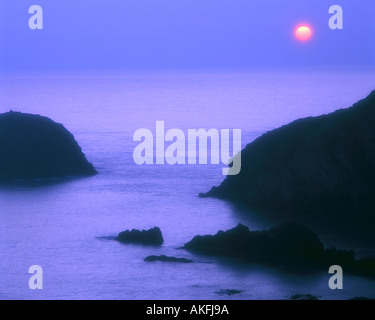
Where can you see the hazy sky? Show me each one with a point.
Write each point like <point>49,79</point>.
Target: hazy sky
<point>183,34</point>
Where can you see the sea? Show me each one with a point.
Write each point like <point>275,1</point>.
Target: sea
<point>67,226</point>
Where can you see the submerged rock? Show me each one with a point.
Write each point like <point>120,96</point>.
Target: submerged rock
<point>303,297</point>
<point>147,237</point>
<point>167,259</point>
<point>35,147</point>
<point>228,292</point>
<point>312,163</point>
<point>289,246</point>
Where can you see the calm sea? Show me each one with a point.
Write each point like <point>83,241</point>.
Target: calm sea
<point>66,226</point>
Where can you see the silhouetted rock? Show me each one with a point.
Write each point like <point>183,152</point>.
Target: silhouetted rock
<point>304,297</point>
<point>147,237</point>
<point>167,259</point>
<point>312,163</point>
<point>32,146</point>
<point>289,246</point>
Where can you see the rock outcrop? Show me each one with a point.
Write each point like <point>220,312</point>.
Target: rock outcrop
<point>151,237</point>
<point>289,246</point>
<point>35,147</point>
<point>312,163</point>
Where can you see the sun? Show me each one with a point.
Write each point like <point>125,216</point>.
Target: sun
<point>303,33</point>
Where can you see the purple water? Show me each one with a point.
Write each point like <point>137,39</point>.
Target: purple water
<point>63,227</point>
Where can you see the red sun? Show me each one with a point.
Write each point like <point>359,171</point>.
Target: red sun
<point>303,33</point>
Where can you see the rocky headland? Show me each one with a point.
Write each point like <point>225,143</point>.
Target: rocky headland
<point>312,164</point>
<point>35,147</point>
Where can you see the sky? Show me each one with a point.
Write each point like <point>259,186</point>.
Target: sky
<point>120,35</point>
